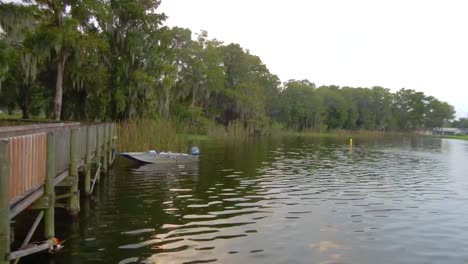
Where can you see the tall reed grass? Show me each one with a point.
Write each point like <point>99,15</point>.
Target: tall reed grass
<point>167,135</point>
<point>233,130</point>
<point>146,134</point>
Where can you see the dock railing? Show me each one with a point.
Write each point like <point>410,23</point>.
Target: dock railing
<point>37,159</point>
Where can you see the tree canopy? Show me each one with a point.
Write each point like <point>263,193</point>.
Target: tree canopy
<point>115,60</point>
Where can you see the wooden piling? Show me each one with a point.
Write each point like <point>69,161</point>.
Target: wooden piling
<point>73,201</point>
<point>4,202</point>
<point>87,166</point>
<point>109,145</point>
<point>104,146</point>
<point>49,219</point>
<point>98,145</point>
<point>97,156</point>
<point>114,139</point>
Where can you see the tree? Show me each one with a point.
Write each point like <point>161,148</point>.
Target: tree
<point>335,108</point>
<point>381,108</point>
<point>135,40</point>
<point>243,94</point>
<point>461,123</point>
<point>437,113</point>
<point>98,60</point>
<point>301,105</point>
<point>408,109</point>
<point>21,58</point>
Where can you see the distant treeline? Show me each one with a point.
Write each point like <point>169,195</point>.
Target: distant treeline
<point>460,123</point>
<point>115,60</point>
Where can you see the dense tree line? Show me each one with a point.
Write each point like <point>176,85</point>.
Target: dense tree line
<point>304,106</point>
<point>461,123</point>
<point>116,60</point>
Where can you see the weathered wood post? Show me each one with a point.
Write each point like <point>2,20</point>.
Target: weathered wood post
<point>104,146</point>
<point>49,213</point>
<point>114,139</point>
<point>97,156</point>
<point>114,135</point>
<point>73,201</point>
<point>109,145</point>
<point>4,202</point>
<point>87,183</point>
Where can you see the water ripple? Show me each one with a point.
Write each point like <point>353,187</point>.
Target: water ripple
<point>289,201</point>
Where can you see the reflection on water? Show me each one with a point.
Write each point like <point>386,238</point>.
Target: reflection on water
<point>291,200</point>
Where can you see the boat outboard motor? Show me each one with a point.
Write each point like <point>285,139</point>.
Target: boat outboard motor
<point>195,151</point>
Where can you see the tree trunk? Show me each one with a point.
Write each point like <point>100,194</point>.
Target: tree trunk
<point>194,95</point>
<point>56,112</point>
<point>24,101</point>
<point>167,103</point>
<point>25,109</point>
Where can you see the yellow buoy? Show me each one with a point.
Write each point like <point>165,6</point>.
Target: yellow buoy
<point>350,143</point>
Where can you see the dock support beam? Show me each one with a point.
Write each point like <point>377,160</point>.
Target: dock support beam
<point>97,157</point>
<point>87,183</point>
<point>49,219</point>
<point>113,140</point>
<point>73,201</point>
<point>4,200</point>
<point>104,147</point>
<point>109,145</point>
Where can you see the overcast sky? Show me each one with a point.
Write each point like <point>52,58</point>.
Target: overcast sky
<point>414,44</point>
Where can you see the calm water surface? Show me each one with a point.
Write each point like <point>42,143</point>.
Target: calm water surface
<point>290,200</point>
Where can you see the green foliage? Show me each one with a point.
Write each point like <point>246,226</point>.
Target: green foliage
<point>330,107</point>
<point>461,123</point>
<point>115,60</point>
<point>191,120</point>
<point>300,105</point>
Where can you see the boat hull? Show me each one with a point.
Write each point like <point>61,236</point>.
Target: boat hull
<point>160,158</point>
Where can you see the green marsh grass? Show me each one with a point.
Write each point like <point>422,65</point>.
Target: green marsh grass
<point>146,134</point>
<point>166,135</point>
<point>234,130</point>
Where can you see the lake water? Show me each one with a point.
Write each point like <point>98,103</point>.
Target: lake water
<point>287,200</point>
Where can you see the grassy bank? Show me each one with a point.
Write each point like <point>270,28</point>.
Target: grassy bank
<point>16,120</point>
<point>357,134</point>
<point>455,137</point>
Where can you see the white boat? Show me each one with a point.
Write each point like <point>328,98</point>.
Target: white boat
<point>153,157</point>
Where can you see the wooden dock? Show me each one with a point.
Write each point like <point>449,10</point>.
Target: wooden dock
<point>39,167</point>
